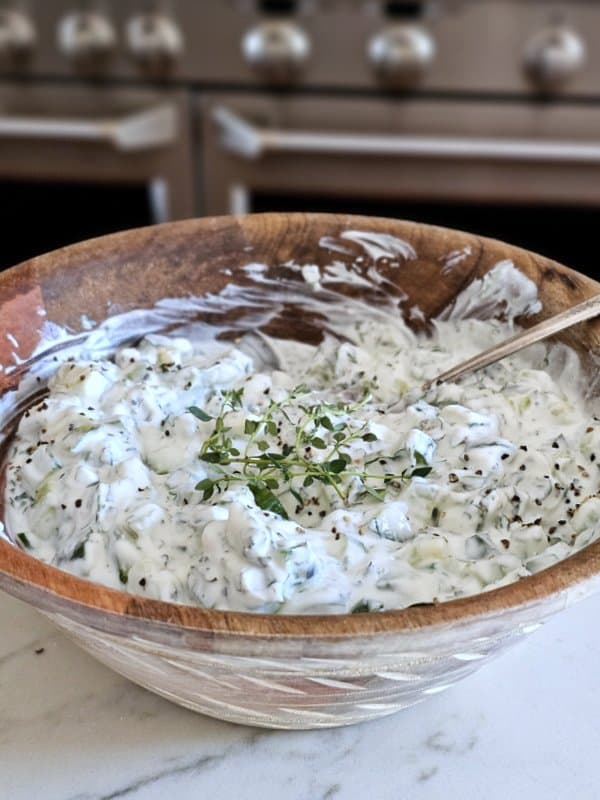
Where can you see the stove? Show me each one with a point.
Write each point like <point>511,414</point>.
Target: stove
<point>481,114</point>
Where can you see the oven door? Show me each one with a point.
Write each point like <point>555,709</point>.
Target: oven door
<point>81,162</point>
<point>524,172</point>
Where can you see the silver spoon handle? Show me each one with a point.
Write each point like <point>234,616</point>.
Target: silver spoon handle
<point>582,311</point>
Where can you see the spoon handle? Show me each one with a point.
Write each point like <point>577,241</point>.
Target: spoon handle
<point>582,311</point>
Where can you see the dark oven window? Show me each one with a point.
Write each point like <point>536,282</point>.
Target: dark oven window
<point>567,234</point>
<point>40,216</point>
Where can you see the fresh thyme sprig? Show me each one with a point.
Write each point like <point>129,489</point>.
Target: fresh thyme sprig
<point>272,467</point>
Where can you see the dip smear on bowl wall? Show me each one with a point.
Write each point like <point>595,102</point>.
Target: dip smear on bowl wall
<point>271,670</point>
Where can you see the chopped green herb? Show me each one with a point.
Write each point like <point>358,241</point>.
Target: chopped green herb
<point>22,537</point>
<point>79,552</point>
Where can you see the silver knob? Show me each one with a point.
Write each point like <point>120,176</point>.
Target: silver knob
<point>86,36</point>
<point>401,54</point>
<point>17,34</point>
<point>154,39</point>
<point>554,55</point>
<point>277,50</point>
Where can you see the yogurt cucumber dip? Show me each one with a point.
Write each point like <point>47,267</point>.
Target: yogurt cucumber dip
<point>181,472</point>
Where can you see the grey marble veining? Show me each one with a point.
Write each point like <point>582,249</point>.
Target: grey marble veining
<point>525,726</point>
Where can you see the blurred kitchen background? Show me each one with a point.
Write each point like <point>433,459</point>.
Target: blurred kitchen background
<point>477,114</point>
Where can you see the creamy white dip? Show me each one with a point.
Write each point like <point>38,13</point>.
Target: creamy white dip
<point>169,470</point>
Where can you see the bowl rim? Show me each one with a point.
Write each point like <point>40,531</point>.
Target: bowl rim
<point>23,575</point>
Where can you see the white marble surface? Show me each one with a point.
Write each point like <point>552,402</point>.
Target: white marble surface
<point>528,725</point>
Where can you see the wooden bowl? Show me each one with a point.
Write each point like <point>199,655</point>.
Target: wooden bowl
<point>276,671</point>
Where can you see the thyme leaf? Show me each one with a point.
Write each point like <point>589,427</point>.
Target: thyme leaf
<point>265,498</point>
<point>197,412</point>
<point>272,467</point>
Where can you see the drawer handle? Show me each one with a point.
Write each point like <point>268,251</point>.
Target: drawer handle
<point>140,130</point>
<point>242,138</point>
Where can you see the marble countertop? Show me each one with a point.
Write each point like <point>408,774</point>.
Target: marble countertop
<point>525,726</point>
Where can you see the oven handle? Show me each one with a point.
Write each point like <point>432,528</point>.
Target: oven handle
<point>139,130</point>
<point>242,138</point>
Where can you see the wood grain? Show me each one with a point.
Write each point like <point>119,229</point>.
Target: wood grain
<point>137,268</point>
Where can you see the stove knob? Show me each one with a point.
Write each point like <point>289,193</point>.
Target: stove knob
<point>17,35</point>
<point>554,55</point>
<point>154,39</point>
<point>86,37</point>
<point>401,54</point>
<point>276,50</point>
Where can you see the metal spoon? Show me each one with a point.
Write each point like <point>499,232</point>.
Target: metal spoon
<point>259,347</point>
<point>582,311</point>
